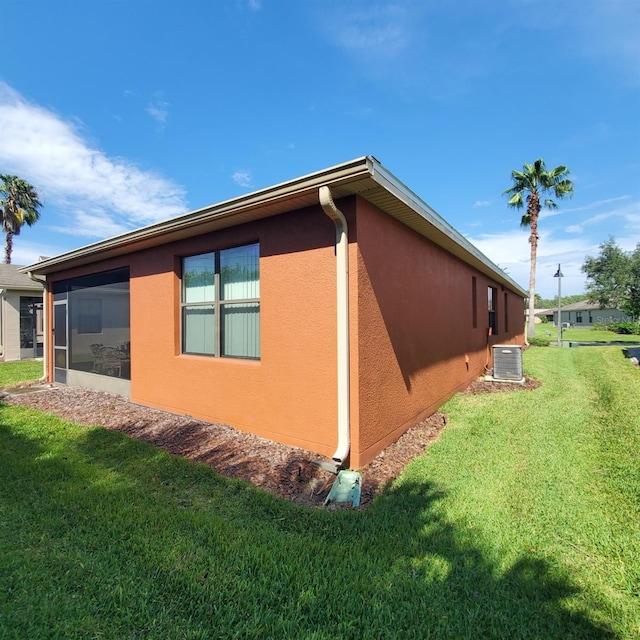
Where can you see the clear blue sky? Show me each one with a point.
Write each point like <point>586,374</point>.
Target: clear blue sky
<point>126,112</point>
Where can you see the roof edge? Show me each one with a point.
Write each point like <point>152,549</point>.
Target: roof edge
<point>387,180</point>
<point>343,171</point>
<point>271,197</point>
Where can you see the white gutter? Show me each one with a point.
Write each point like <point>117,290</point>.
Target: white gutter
<point>363,176</point>
<point>342,287</point>
<point>280,198</point>
<point>45,324</point>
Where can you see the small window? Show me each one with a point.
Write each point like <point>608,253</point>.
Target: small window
<point>506,313</point>
<point>474,302</point>
<point>221,303</point>
<point>30,308</point>
<point>492,302</point>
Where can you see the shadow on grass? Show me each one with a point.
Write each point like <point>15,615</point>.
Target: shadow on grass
<point>118,539</point>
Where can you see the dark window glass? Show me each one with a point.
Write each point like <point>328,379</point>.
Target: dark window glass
<point>506,313</point>
<point>30,313</point>
<point>89,315</point>
<point>474,302</point>
<point>99,335</point>
<point>492,304</point>
<point>60,325</point>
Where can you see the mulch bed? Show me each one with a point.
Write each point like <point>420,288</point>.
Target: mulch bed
<point>289,472</point>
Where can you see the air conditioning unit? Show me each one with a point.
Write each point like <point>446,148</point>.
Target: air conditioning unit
<point>507,362</point>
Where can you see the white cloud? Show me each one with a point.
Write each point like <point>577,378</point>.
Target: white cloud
<point>511,252</point>
<point>255,5</point>
<point>92,223</point>
<point>481,203</point>
<point>594,205</point>
<point>242,177</point>
<point>99,193</point>
<point>157,109</point>
<point>405,38</point>
<point>26,252</point>
<point>627,217</point>
<point>579,228</point>
<point>376,30</point>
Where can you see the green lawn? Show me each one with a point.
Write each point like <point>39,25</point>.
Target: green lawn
<point>21,371</point>
<point>547,330</point>
<point>521,521</point>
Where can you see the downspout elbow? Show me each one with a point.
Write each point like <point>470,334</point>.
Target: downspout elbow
<point>342,286</point>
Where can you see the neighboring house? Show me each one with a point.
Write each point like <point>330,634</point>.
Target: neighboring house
<point>544,313</point>
<point>539,314</point>
<point>588,314</point>
<point>257,312</point>
<point>21,320</point>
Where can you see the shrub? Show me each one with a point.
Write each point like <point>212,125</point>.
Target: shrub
<point>539,342</point>
<point>599,326</point>
<point>626,328</point>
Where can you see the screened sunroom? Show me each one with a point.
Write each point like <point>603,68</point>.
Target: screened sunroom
<point>91,331</point>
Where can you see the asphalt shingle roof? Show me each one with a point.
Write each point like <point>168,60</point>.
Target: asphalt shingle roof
<point>11,278</point>
<point>582,305</point>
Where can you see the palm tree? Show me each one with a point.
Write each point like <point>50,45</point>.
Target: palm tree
<point>19,205</point>
<point>530,186</point>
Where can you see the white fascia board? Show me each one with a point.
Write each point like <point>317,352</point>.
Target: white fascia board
<point>227,208</point>
<point>252,206</point>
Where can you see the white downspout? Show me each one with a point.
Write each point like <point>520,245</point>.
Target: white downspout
<point>342,286</point>
<point>45,318</point>
<point>2,314</point>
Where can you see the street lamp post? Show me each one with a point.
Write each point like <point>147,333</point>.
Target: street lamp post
<point>558,274</point>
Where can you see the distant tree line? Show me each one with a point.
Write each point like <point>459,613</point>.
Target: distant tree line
<point>613,281</point>
<point>613,278</point>
<point>552,303</point>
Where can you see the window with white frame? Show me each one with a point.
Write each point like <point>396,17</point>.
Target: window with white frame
<point>221,303</point>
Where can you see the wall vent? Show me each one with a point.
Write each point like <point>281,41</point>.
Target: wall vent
<point>507,362</point>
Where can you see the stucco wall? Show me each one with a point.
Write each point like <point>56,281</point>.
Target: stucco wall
<point>289,394</point>
<point>412,341</point>
<point>416,345</point>
<point>11,324</point>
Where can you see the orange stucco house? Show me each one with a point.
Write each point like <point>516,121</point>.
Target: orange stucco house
<point>331,312</point>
